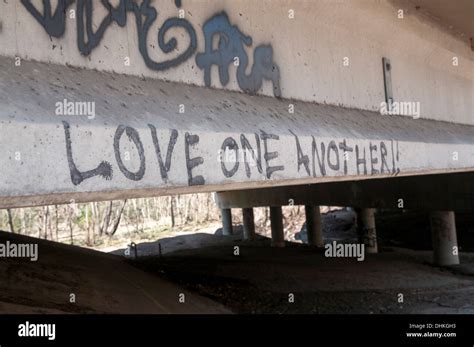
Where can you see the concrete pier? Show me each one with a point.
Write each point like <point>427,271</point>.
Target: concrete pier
<point>367,230</point>
<point>249,223</point>
<point>276,219</point>
<point>314,226</point>
<point>443,235</point>
<point>226,214</point>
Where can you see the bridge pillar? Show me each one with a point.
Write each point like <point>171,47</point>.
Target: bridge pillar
<point>249,223</point>
<point>226,214</point>
<point>276,219</point>
<point>367,230</point>
<point>314,226</point>
<point>443,235</point>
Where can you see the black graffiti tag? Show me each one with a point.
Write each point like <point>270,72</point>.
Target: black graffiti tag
<point>104,169</point>
<point>330,156</point>
<point>231,42</point>
<point>143,27</point>
<point>374,158</point>
<point>268,156</point>
<point>164,167</point>
<point>231,145</point>
<point>249,151</point>
<point>133,136</point>
<point>321,158</point>
<point>345,152</point>
<point>302,158</point>
<point>54,24</point>
<point>191,163</point>
<point>333,147</point>
<point>88,39</point>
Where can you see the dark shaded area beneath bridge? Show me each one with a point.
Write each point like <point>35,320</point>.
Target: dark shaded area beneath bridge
<point>260,278</point>
<point>447,192</point>
<point>399,228</point>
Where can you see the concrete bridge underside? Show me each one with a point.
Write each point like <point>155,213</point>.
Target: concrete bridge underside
<point>149,137</point>
<point>442,195</point>
<point>427,192</point>
<point>72,135</point>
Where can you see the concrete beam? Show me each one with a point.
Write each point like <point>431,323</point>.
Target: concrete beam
<point>314,226</point>
<point>426,39</point>
<point>276,220</point>
<point>53,157</point>
<point>438,192</point>
<point>443,234</point>
<point>249,223</point>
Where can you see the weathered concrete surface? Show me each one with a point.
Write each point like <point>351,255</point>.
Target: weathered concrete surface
<point>49,158</point>
<point>444,238</point>
<point>458,14</point>
<point>309,49</point>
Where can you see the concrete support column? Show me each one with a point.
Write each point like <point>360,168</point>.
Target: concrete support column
<point>276,219</point>
<point>367,231</point>
<point>226,214</point>
<point>249,224</point>
<point>443,235</point>
<point>314,226</point>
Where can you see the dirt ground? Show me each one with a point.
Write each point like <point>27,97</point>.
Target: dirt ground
<point>262,279</point>
<point>100,282</point>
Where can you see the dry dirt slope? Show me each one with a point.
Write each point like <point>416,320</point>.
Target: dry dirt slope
<point>102,283</point>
